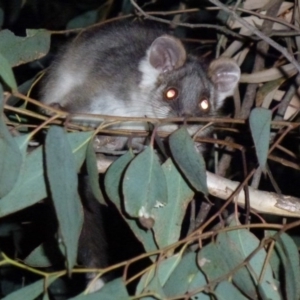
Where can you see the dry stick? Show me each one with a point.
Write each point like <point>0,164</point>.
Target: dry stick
<point>257,32</point>
<point>259,63</point>
<point>262,47</point>
<point>217,27</point>
<point>293,88</point>
<point>261,16</point>
<point>228,23</point>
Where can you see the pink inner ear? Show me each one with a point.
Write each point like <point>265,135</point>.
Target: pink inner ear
<point>225,81</point>
<point>158,58</point>
<point>167,53</point>
<point>225,74</point>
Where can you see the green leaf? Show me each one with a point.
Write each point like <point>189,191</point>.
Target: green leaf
<point>288,254</point>
<point>113,290</point>
<point>199,281</point>
<point>30,187</point>
<point>6,73</point>
<point>144,185</point>
<point>20,50</point>
<point>112,183</point>
<point>190,162</point>
<point>212,262</point>
<point>226,290</point>
<point>10,156</point>
<point>167,230</point>
<point>63,182</point>
<point>235,246</point>
<point>260,124</point>
<point>40,258</point>
<point>113,177</point>
<point>163,271</point>
<point>31,291</point>
<point>91,165</point>
<point>22,142</point>
<point>79,142</point>
<point>183,275</point>
<point>231,249</point>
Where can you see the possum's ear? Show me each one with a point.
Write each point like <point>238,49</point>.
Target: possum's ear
<point>167,53</point>
<point>224,74</point>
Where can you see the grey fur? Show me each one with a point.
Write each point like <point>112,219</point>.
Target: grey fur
<point>106,61</point>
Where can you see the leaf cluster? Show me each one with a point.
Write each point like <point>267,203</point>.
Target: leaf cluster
<point>196,247</point>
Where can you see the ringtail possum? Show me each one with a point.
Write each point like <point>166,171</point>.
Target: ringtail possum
<point>134,70</point>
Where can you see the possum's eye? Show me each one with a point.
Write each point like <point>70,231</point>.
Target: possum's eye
<point>204,104</point>
<point>170,94</point>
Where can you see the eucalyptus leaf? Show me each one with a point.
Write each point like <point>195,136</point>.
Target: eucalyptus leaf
<point>20,50</point>
<point>112,183</point>
<point>113,290</point>
<point>288,255</point>
<point>167,230</point>
<point>260,125</point>
<point>10,157</point>
<point>226,290</point>
<point>144,184</point>
<point>63,182</point>
<point>232,248</point>
<point>190,162</point>
<point>236,246</point>
<point>198,282</point>
<point>30,187</point>
<point>91,165</point>
<point>181,278</point>
<point>6,73</point>
<point>163,270</point>
<point>31,291</point>
<point>45,255</point>
<point>212,262</point>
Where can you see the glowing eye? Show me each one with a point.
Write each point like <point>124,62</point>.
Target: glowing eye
<point>171,94</point>
<point>204,104</point>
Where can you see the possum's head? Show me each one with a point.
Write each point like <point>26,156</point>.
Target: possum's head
<point>178,84</point>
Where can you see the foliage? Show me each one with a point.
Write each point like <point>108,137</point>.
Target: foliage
<point>194,246</point>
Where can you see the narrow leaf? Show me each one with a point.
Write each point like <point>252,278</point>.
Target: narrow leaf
<point>45,255</point>
<point>167,230</point>
<point>10,156</point>
<point>6,73</point>
<point>236,246</point>
<point>190,162</point>
<point>288,255</point>
<point>163,271</point>
<point>112,183</point>
<point>144,185</point>
<point>30,187</point>
<point>226,290</point>
<point>31,291</point>
<point>62,176</point>
<point>260,122</point>
<point>181,278</point>
<point>91,165</point>
<point>113,290</point>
